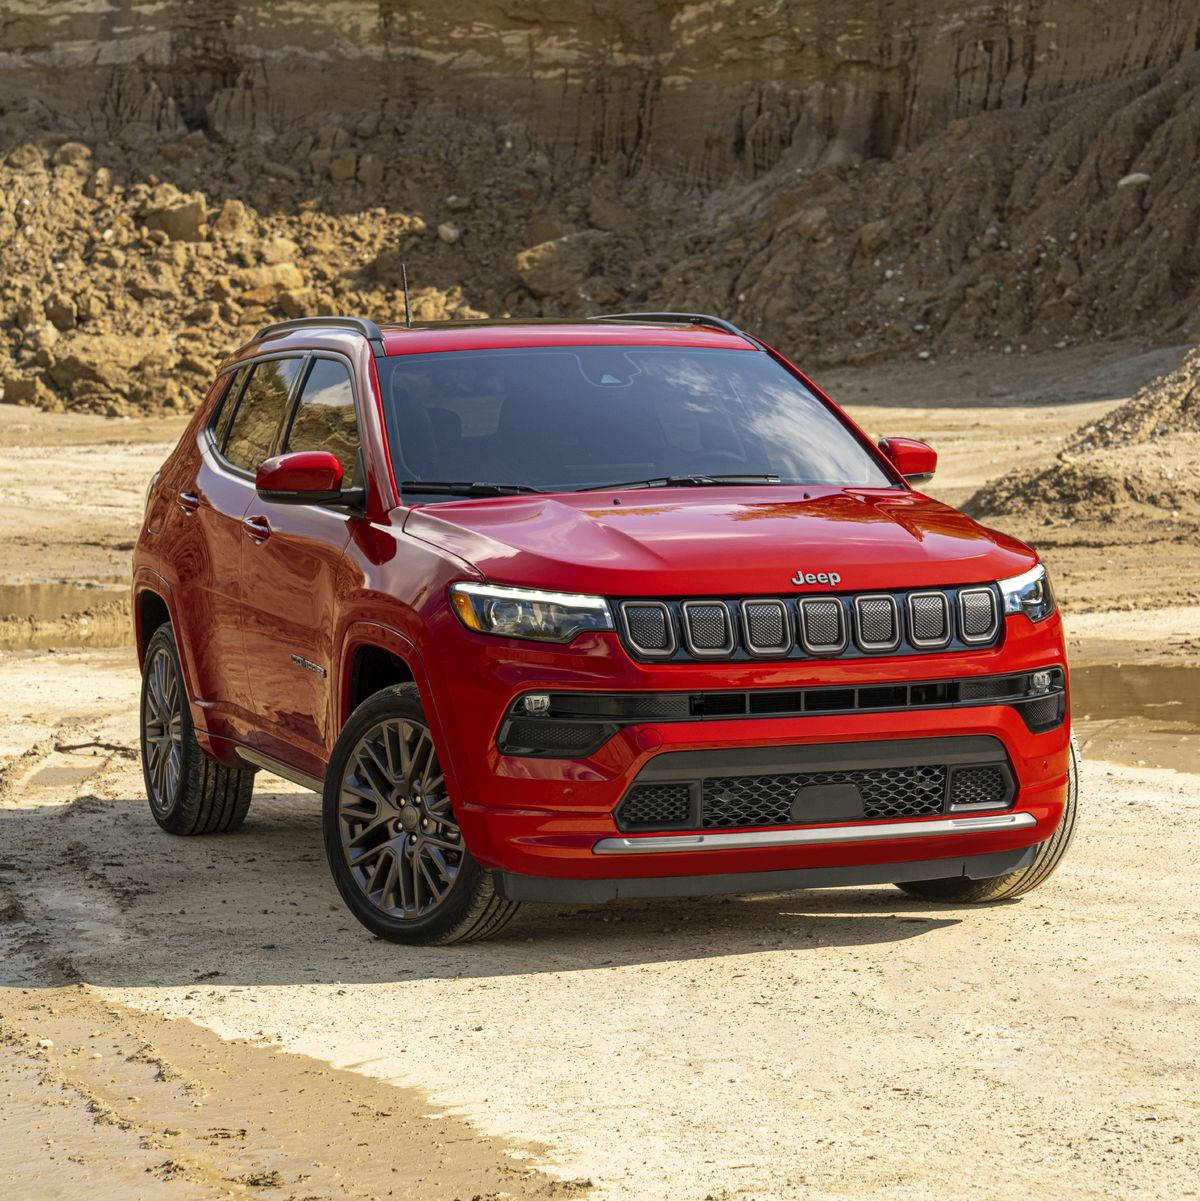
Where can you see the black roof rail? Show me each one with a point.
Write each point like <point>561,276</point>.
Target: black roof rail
<point>360,325</point>
<point>679,318</point>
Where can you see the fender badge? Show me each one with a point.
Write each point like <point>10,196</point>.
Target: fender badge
<point>308,665</point>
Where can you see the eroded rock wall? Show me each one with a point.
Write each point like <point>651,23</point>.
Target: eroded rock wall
<point>704,89</point>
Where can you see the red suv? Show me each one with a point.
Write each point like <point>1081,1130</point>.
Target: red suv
<point>625,607</point>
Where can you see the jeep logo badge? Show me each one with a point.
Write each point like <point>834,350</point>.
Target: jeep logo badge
<point>829,578</point>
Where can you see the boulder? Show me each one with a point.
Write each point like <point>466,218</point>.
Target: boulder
<point>181,218</point>
<point>557,268</point>
<point>73,154</point>
<point>233,218</point>
<point>370,170</point>
<point>343,166</point>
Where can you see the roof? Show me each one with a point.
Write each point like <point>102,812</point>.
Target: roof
<point>613,329</point>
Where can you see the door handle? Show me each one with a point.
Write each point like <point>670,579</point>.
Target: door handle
<point>189,502</point>
<point>259,528</point>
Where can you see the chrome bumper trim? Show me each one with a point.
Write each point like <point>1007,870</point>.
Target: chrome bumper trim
<point>661,843</point>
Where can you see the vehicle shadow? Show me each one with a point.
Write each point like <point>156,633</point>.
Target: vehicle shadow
<point>121,904</point>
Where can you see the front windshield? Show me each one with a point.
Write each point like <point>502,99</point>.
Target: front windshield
<point>559,419</point>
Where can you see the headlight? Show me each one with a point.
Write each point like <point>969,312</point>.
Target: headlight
<point>525,613</point>
<point>1029,593</point>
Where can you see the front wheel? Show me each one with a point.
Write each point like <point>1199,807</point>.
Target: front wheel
<point>1047,857</point>
<point>393,842</point>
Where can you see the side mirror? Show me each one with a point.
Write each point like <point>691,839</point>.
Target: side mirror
<point>303,477</point>
<point>914,460</point>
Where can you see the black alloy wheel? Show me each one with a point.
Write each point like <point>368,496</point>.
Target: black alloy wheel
<point>394,845</point>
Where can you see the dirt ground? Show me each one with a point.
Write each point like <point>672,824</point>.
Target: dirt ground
<point>218,1026</point>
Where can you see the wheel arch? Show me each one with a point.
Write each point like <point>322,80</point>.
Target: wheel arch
<point>375,656</point>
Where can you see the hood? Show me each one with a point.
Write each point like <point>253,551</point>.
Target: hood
<point>719,541</point>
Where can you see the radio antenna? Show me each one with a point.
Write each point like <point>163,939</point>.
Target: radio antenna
<point>404,281</point>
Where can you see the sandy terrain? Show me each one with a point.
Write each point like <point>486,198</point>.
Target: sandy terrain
<point>831,1044</point>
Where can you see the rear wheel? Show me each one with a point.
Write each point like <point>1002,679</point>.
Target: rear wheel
<point>189,791</point>
<point>1047,857</point>
<point>394,845</point>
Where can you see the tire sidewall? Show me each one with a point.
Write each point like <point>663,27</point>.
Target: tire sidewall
<point>402,701</point>
<point>164,639</point>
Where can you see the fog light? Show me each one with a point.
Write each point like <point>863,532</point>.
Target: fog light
<point>537,702</point>
<point>1041,681</point>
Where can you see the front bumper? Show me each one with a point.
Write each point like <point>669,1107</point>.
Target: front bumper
<point>578,892</point>
<point>552,819</point>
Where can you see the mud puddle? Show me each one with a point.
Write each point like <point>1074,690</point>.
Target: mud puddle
<point>39,615</point>
<point>122,1104</point>
<point>1145,715</point>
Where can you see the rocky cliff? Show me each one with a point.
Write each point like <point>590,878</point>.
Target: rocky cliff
<point>704,89</point>
<point>873,178</point>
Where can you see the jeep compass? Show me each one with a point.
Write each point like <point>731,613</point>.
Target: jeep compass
<point>620,607</point>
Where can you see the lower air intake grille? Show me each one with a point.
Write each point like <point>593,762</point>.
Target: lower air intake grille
<point>569,739</point>
<point>656,806</point>
<point>978,786</point>
<point>887,792</point>
<point>1044,713</point>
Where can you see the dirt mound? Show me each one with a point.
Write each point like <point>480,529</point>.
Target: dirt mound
<point>1145,454</point>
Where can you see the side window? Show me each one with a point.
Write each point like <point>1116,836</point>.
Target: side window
<point>264,400</point>
<point>224,413</point>
<point>325,417</point>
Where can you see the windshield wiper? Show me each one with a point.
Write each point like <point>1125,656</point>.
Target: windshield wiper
<point>685,481</point>
<point>464,488</point>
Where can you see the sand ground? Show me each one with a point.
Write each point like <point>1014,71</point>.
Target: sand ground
<point>220,1027</point>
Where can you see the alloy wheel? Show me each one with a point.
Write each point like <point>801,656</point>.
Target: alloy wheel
<point>398,832</point>
<point>162,729</point>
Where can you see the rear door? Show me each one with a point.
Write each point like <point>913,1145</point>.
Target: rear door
<point>245,432</point>
<point>294,566</point>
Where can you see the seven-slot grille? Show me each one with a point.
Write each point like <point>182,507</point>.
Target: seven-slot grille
<point>820,627</point>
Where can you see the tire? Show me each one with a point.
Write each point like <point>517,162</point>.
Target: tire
<point>189,791</point>
<point>1046,859</point>
<point>393,843</point>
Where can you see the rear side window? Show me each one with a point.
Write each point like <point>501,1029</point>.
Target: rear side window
<point>259,413</point>
<point>228,405</point>
<point>325,417</point>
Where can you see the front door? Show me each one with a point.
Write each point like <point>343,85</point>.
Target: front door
<point>294,568</point>
<point>241,439</point>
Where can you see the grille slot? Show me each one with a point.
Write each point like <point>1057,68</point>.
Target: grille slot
<point>767,800</point>
<point>649,627</point>
<point>979,788</point>
<point>822,626</point>
<point>877,622</point>
<point>977,614</point>
<point>655,806</point>
<point>765,624</point>
<point>706,628</point>
<point>928,619</point>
